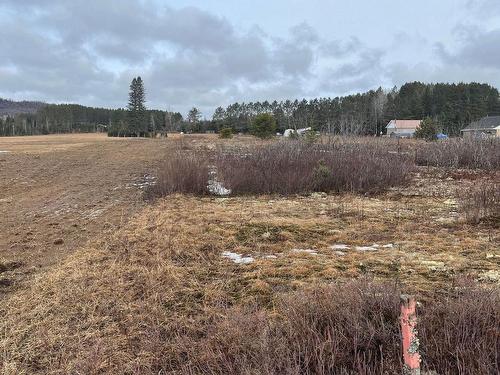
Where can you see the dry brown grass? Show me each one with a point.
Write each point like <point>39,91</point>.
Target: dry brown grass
<point>156,296</point>
<point>126,304</point>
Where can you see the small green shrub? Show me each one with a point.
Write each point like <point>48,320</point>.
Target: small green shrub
<point>226,133</point>
<point>311,136</point>
<point>263,126</point>
<point>321,176</point>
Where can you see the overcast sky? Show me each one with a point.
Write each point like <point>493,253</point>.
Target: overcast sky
<point>214,52</point>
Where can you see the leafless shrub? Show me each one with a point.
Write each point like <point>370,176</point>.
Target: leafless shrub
<point>459,332</point>
<point>481,201</point>
<point>460,153</point>
<point>181,172</point>
<point>352,329</point>
<point>326,330</point>
<point>298,167</point>
<point>288,167</point>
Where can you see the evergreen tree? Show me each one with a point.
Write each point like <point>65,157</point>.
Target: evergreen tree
<point>137,117</point>
<point>427,130</point>
<point>193,118</point>
<point>264,126</point>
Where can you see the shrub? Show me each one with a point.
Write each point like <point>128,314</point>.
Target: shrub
<point>226,133</point>
<point>182,172</point>
<point>459,331</point>
<point>427,130</point>
<point>323,330</point>
<point>286,167</point>
<point>311,136</point>
<point>263,126</point>
<point>460,153</point>
<point>352,328</point>
<point>297,167</point>
<point>481,201</point>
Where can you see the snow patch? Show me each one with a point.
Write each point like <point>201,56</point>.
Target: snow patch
<point>237,258</point>
<point>373,247</point>
<point>307,251</point>
<point>145,181</point>
<point>339,246</point>
<point>215,186</point>
<point>4,152</point>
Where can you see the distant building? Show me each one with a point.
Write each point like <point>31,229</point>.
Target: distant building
<point>487,127</point>
<point>402,128</point>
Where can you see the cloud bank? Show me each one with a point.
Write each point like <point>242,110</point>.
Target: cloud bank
<point>88,51</point>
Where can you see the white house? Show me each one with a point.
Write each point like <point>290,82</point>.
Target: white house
<point>291,132</point>
<point>402,128</point>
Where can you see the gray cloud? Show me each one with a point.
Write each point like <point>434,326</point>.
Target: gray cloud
<point>88,50</point>
<point>478,49</point>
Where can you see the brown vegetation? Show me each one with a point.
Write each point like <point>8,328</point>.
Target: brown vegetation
<point>287,167</point>
<point>481,201</point>
<point>156,295</point>
<point>460,153</point>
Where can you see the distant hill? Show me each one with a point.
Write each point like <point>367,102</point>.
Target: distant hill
<point>10,107</point>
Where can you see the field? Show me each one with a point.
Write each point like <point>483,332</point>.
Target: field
<point>96,279</point>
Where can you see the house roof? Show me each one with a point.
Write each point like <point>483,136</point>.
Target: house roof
<point>490,122</point>
<point>405,124</point>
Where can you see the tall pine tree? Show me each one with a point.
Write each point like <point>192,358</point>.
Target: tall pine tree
<point>137,119</point>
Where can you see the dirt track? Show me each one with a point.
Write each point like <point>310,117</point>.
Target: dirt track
<point>59,191</point>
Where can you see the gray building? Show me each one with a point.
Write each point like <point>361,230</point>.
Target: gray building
<point>487,127</point>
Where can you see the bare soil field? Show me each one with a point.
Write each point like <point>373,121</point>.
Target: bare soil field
<point>59,191</point>
<point>118,285</point>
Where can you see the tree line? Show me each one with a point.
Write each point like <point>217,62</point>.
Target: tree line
<point>451,106</point>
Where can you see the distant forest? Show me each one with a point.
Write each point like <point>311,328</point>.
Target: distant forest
<point>12,108</point>
<point>453,106</point>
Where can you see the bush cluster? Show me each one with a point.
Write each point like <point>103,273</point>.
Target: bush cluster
<point>481,202</point>
<point>352,329</point>
<point>288,167</point>
<point>460,153</point>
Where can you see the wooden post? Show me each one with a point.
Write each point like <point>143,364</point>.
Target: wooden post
<point>411,356</point>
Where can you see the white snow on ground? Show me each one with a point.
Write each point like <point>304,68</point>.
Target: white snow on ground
<point>339,246</point>
<point>4,152</point>
<point>240,259</point>
<point>214,186</point>
<point>308,251</point>
<point>145,181</point>
<point>373,247</point>
<point>237,258</point>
